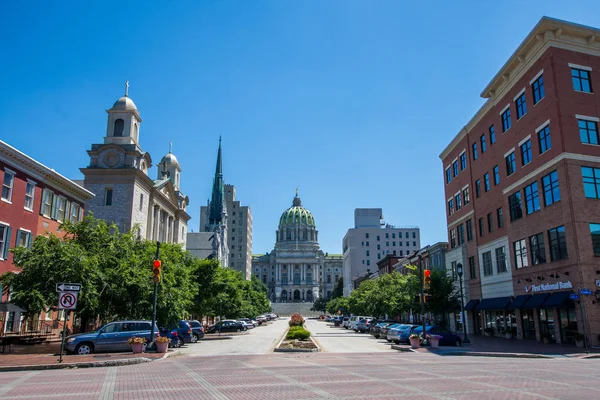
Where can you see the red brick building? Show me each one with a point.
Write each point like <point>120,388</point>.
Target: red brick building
<point>522,186</point>
<point>34,201</point>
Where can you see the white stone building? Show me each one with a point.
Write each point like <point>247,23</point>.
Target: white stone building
<point>371,240</point>
<point>124,193</point>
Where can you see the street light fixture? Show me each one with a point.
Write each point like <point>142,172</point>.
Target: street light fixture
<point>459,271</point>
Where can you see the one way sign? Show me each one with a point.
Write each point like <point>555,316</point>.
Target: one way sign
<point>68,287</point>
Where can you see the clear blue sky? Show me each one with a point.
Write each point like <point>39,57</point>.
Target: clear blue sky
<point>352,101</point>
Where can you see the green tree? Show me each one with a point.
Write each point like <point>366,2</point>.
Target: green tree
<point>319,305</point>
<point>338,304</point>
<point>444,296</point>
<point>338,288</point>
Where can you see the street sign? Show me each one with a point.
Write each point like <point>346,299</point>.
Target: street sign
<point>67,300</point>
<point>574,296</point>
<point>587,292</point>
<point>68,287</point>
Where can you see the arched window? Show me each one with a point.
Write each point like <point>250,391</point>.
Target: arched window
<point>119,126</point>
<point>135,132</point>
<point>284,295</point>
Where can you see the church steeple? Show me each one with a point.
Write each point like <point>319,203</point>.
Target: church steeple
<point>217,206</point>
<point>123,125</point>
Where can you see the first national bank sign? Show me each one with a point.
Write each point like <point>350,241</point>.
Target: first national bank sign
<point>549,286</point>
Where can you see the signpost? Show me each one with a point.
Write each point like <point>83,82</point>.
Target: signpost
<point>585,292</point>
<point>67,300</point>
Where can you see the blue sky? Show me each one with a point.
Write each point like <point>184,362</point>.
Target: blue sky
<point>351,101</point>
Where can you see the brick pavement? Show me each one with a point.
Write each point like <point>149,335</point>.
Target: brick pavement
<point>317,376</point>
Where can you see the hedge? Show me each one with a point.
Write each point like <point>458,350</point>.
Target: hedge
<point>297,332</point>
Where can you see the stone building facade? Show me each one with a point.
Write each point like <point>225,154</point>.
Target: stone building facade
<point>297,270</point>
<point>124,192</point>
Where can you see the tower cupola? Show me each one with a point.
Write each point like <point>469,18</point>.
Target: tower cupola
<point>123,126</point>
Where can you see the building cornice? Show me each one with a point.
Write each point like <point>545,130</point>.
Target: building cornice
<point>46,175</point>
<point>548,32</point>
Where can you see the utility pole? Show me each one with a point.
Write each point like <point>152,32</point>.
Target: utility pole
<point>422,297</point>
<point>156,257</point>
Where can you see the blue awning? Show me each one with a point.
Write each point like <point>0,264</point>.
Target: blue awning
<point>495,303</point>
<point>519,302</point>
<point>536,300</point>
<point>471,304</point>
<point>558,300</point>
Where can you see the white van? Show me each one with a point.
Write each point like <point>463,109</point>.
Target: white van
<point>354,320</point>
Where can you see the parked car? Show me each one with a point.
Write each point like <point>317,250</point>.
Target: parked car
<point>247,324</point>
<point>384,330</point>
<point>375,329</point>
<point>250,323</point>
<point>363,325</point>
<point>227,326</point>
<point>346,322</point>
<point>110,337</point>
<point>448,338</point>
<point>261,319</point>
<point>197,329</point>
<point>393,335</point>
<point>354,320</point>
<point>337,321</point>
<point>272,316</point>
<point>175,340</point>
<point>184,331</point>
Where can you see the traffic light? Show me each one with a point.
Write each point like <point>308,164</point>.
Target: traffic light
<point>427,279</point>
<point>156,264</point>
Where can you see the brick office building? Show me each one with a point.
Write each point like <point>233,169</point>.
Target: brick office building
<point>35,200</point>
<point>522,186</point>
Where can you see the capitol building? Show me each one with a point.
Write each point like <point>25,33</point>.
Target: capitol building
<point>297,270</point>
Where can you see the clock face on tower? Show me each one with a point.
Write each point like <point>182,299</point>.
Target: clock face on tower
<point>111,158</point>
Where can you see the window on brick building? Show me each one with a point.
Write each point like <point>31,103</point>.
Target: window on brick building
<point>532,200</point>
<point>452,238</point>
<point>460,233</point>
<point>475,154</point>
<point>466,198</point>
<point>581,80</point>
<point>29,195</point>
<point>448,175</point>
<point>544,139</point>
<point>455,168</point>
<point>520,251</point>
<point>481,227</point>
<point>551,188</point>
<point>472,268</point>
<point>458,201</point>
<point>486,182</point>
<point>7,185</point>
<point>558,243</point>
<point>538,252</point>
<point>483,144</point>
<point>469,229</point>
<point>490,221</point>
<point>496,176</point>
<point>506,120</point>
<point>501,260</point>
<point>521,104</point>
<point>591,182</point>
<point>511,164</point>
<point>588,131</point>
<point>516,206</point>
<point>500,217</point>
<point>537,88</point>
<point>492,134</point>
<point>463,161</point>
<point>526,152</point>
<point>595,232</point>
<point>477,188</point>
<point>108,195</point>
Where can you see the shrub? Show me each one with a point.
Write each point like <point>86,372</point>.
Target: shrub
<point>297,332</point>
<point>296,320</point>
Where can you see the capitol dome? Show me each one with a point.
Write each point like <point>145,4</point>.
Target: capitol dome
<point>296,215</point>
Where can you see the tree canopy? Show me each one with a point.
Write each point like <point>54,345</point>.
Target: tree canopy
<point>114,270</point>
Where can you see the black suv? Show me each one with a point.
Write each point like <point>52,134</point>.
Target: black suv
<point>227,326</point>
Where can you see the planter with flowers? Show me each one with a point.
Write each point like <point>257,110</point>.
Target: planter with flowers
<point>415,341</point>
<point>137,344</point>
<point>434,341</point>
<point>162,343</point>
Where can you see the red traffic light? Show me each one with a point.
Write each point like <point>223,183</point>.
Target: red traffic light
<point>427,273</point>
<point>156,263</point>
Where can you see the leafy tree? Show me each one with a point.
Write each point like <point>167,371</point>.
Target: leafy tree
<point>320,305</point>
<point>444,296</point>
<point>338,304</point>
<point>338,288</point>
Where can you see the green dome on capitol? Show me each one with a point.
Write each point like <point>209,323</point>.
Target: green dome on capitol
<point>296,214</point>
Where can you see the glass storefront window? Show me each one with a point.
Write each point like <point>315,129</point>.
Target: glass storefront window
<point>568,324</point>
<point>547,324</point>
<point>528,324</point>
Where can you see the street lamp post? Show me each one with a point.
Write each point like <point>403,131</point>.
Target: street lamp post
<point>459,271</point>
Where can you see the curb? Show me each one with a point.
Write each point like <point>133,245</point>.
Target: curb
<point>278,350</point>
<point>486,354</point>
<point>402,348</point>
<point>92,364</point>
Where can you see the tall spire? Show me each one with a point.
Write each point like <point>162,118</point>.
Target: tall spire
<point>217,199</point>
<point>126,88</point>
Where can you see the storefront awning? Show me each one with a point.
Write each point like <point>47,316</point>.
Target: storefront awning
<point>536,300</point>
<point>518,302</point>
<point>495,303</point>
<point>558,300</point>
<point>471,305</point>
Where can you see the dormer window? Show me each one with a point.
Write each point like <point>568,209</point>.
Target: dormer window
<point>119,126</point>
